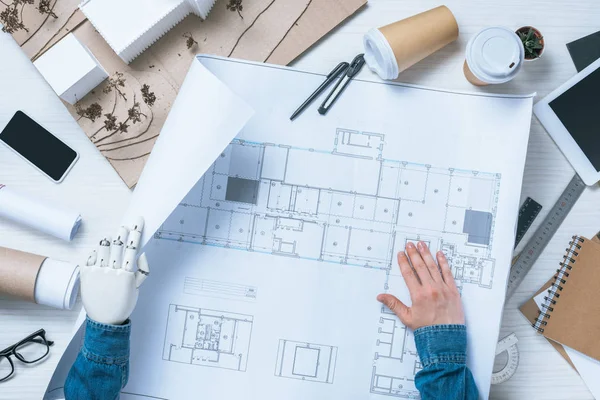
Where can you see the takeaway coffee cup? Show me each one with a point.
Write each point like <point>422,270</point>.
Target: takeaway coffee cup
<point>494,55</point>
<point>393,48</point>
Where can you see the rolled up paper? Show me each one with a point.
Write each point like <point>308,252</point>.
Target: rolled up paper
<point>393,48</point>
<point>38,279</point>
<point>38,214</point>
<point>57,284</point>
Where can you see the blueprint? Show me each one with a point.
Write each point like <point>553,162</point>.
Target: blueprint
<point>264,276</point>
<point>273,199</point>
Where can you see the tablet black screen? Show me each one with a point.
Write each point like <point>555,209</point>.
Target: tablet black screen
<point>579,111</point>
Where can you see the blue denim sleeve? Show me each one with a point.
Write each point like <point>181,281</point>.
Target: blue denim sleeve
<point>101,369</point>
<point>443,353</point>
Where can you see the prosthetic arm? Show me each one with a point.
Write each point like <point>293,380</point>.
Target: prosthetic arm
<point>110,279</point>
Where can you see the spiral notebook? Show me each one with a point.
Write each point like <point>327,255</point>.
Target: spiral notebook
<point>562,312</point>
<point>568,316</point>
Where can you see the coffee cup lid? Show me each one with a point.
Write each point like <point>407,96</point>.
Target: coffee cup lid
<point>495,55</point>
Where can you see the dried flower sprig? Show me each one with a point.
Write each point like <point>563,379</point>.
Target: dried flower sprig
<point>134,115</point>
<point>236,5</point>
<point>115,82</point>
<point>110,123</point>
<point>12,16</point>
<point>93,112</point>
<point>123,127</point>
<point>148,96</point>
<point>190,41</point>
<point>45,7</point>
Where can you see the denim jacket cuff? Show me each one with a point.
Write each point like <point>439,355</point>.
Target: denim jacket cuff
<point>442,344</point>
<point>106,344</point>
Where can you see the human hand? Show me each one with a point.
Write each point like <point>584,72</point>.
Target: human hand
<point>110,281</point>
<point>435,297</point>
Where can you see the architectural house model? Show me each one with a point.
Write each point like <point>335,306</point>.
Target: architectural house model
<point>139,23</point>
<point>74,79</point>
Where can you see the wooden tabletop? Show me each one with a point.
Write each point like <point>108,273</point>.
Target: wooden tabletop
<point>95,189</point>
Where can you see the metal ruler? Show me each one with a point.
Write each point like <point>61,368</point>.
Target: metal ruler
<point>508,344</point>
<point>527,214</point>
<point>544,233</point>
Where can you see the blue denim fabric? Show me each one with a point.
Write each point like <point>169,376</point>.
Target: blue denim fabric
<point>101,369</point>
<point>443,353</point>
<point>102,366</point>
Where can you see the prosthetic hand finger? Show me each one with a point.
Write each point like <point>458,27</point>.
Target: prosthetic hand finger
<point>122,234</point>
<point>103,253</point>
<point>116,251</point>
<point>143,270</point>
<point>135,235</point>
<point>129,258</point>
<point>91,261</point>
<point>132,245</point>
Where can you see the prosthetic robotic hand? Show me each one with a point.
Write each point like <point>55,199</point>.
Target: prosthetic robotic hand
<point>110,281</point>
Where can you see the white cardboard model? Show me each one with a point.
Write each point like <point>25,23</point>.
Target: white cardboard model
<point>139,23</point>
<point>74,79</point>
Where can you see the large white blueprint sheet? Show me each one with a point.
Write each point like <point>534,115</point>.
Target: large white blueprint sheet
<point>264,277</point>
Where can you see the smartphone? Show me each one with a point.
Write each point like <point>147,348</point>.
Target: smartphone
<point>39,147</point>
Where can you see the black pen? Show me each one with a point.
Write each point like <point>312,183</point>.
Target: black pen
<point>332,76</point>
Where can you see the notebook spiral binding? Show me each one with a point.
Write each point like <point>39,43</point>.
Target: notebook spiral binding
<point>560,279</point>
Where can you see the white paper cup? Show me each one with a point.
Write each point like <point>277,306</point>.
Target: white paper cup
<point>494,55</point>
<point>391,49</point>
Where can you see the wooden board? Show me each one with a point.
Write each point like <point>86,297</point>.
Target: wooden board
<point>275,31</point>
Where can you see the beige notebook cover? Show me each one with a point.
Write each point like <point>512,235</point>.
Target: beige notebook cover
<point>573,316</point>
<point>531,311</point>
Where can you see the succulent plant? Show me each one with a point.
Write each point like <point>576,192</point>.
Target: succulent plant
<point>532,43</point>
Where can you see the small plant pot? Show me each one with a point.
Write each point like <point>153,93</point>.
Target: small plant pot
<point>538,35</point>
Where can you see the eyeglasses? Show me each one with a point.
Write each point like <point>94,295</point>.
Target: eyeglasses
<point>29,350</point>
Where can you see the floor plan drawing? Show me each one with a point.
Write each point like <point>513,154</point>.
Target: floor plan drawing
<point>306,361</point>
<point>207,337</point>
<point>272,239</point>
<point>396,360</point>
<point>274,199</point>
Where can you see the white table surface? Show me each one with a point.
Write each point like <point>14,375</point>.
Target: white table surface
<point>96,190</point>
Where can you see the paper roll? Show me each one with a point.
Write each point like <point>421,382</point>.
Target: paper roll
<point>38,279</point>
<point>18,273</point>
<point>38,214</point>
<point>57,284</point>
<point>393,48</point>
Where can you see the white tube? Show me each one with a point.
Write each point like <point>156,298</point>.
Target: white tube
<point>57,284</point>
<point>38,214</point>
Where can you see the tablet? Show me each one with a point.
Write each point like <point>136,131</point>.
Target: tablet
<point>571,115</point>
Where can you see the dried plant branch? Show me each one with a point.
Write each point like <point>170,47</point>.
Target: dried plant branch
<point>123,127</point>
<point>135,114</point>
<point>45,7</point>
<point>190,41</point>
<point>236,5</point>
<point>110,123</point>
<point>12,18</point>
<point>148,96</point>
<point>115,82</point>
<point>93,112</point>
